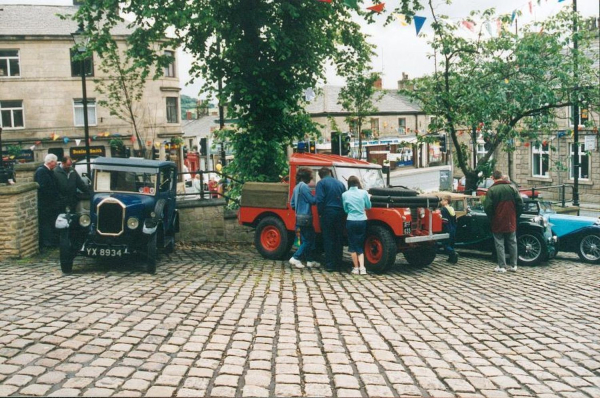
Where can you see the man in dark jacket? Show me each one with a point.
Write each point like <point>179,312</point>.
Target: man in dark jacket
<point>331,214</point>
<point>47,201</point>
<point>68,181</point>
<point>503,205</point>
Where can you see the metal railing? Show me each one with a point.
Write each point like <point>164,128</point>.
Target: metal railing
<point>560,188</point>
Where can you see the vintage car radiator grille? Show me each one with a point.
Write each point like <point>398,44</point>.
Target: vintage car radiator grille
<point>110,218</point>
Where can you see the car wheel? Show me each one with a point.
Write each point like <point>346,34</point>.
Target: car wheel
<point>66,252</point>
<point>420,257</point>
<point>272,239</point>
<point>380,249</point>
<point>151,254</point>
<point>531,248</point>
<point>589,249</point>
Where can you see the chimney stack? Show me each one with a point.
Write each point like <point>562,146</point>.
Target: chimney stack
<point>405,83</point>
<point>378,84</point>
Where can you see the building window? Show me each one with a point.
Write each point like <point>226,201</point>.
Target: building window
<point>9,63</point>
<point>172,110</point>
<point>12,114</point>
<point>169,70</point>
<point>402,125</point>
<point>540,159</point>
<point>78,111</point>
<point>375,126</point>
<point>76,65</point>
<point>584,162</point>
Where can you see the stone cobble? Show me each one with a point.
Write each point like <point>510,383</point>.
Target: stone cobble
<point>222,321</point>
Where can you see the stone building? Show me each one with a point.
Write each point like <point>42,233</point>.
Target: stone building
<point>41,90</point>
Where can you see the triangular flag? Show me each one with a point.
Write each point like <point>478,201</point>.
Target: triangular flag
<point>37,142</point>
<point>469,25</point>
<point>309,94</point>
<point>133,138</point>
<point>488,27</point>
<point>419,21</point>
<point>351,3</point>
<point>530,7</point>
<point>513,16</point>
<point>560,1</point>
<point>66,140</point>
<point>377,7</point>
<point>32,147</point>
<point>402,19</point>
<point>56,136</point>
<point>77,142</point>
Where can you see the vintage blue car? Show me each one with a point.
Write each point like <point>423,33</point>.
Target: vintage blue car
<point>132,212</point>
<point>575,233</point>
<point>535,241</point>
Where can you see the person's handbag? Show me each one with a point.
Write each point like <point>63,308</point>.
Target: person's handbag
<point>304,220</point>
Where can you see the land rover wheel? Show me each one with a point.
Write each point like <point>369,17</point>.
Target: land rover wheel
<point>380,249</point>
<point>420,257</point>
<point>589,248</point>
<point>66,252</point>
<point>531,248</point>
<point>272,239</point>
<point>151,254</point>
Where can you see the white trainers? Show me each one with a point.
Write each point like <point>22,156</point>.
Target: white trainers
<point>312,264</point>
<point>355,271</point>
<point>363,271</point>
<point>513,269</point>
<point>296,263</point>
<point>500,269</point>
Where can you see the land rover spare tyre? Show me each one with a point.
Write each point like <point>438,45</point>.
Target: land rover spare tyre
<point>432,201</point>
<point>397,191</point>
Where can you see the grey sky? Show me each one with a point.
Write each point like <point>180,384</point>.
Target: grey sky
<point>399,49</point>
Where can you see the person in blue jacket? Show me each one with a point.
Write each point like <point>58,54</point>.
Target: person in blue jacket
<point>356,201</point>
<point>302,202</point>
<point>331,214</point>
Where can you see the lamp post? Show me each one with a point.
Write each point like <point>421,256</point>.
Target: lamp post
<point>81,42</point>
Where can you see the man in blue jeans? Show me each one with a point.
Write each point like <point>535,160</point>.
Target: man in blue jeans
<point>331,215</point>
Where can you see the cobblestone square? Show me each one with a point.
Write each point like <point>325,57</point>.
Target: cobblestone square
<point>222,321</point>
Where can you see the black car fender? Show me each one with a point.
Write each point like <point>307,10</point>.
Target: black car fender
<point>529,226</point>
<point>151,223</point>
<point>570,241</point>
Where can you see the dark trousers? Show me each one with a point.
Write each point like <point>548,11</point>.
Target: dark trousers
<point>332,227</point>
<point>48,236</point>
<point>307,244</point>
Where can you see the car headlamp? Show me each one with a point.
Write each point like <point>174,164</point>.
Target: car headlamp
<point>133,223</point>
<point>85,220</point>
<point>421,212</point>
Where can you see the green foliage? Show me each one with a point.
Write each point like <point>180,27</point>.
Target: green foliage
<point>14,150</point>
<point>188,104</point>
<point>508,86</point>
<point>358,98</point>
<point>116,143</point>
<point>265,52</point>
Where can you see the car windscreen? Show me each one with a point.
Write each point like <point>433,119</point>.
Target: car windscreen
<point>124,181</point>
<point>369,178</point>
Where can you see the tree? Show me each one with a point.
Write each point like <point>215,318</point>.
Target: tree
<point>123,88</point>
<point>265,52</point>
<point>506,87</point>
<point>358,97</point>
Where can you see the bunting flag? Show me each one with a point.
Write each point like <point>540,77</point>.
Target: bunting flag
<point>148,143</point>
<point>402,19</point>
<point>77,142</point>
<point>133,139</point>
<point>309,94</point>
<point>94,138</point>
<point>469,25</point>
<point>377,8</point>
<point>66,140</point>
<point>37,142</point>
<point>31,148</point>
<point>560,1</point>
<point>419,22</point>
<point>530,7</point>
<point>351,3</point>
<point>513,16</point>
<point>498,25</point>
<point>55,136</point>
<point>488,28</point>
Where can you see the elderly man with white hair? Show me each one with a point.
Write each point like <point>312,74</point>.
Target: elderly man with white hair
<point>48,201</point>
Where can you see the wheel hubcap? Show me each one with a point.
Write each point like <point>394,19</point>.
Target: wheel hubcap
<point>373,250</point>
<point>270,238</point>
<point>530,248</point>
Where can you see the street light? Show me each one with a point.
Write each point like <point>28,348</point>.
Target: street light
<point>81,42</point>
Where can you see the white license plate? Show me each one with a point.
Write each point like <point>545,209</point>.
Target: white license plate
<point>104,252</point>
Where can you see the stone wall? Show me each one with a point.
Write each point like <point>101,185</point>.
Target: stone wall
<point>19,232</point>
<point>24,172</point>
<point>208,221</point>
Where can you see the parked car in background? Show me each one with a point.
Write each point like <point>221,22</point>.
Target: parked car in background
<point>535,241</point>
<point>575,233</point>
<point>484,185</point>
<point>132,212</point>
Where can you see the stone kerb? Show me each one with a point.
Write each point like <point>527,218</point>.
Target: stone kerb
<point>209,221</point>
<point>19,232</point>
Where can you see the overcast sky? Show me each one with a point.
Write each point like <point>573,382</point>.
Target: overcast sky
<point>399,49</point>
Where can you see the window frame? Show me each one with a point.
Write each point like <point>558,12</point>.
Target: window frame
<point>538,150</point>
<point>170,71</point>
<point>175,111</point>
<point>402,126</point>
<point>8,58</point>
<point>374,126</point>
<point>91,104</point>
<point>582,153</point>
<point>12,115</point>
<point>76,65</point>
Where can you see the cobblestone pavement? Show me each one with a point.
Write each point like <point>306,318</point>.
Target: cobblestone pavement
<point>224,322</point>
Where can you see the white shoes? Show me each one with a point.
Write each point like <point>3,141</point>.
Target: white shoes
<point>500,269</point>
<point>296,263</point>
<point>363,270</point>
<point>312,264</point>
<point>356,271</point>
<point>513,269</point>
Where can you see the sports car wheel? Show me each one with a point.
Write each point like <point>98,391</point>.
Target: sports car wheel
<point>531,248</point>
<point>589,249</point>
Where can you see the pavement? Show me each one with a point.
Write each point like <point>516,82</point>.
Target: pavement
<point>222,321</point>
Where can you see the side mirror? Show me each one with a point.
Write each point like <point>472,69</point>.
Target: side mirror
<point>468,209</point>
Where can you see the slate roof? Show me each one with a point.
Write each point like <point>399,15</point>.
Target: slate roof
<point>326,102</point>
<point>37,20</point>
<point>199,127</point>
